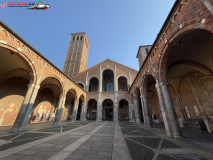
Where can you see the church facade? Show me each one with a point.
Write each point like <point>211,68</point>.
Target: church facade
<point>174,85</point>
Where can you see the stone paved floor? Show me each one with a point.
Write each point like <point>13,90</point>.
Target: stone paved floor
<point>103,140</point>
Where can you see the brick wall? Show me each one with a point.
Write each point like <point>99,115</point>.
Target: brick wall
<point>12,92</point>
<point>43,103</point>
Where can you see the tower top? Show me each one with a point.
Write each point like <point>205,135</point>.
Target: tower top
<point>77,54</point>
<point>80,34</point>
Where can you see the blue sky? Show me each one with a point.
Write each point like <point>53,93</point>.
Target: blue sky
<point>115,28</point>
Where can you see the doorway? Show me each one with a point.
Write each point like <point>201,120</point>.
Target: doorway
<point>109,114</point>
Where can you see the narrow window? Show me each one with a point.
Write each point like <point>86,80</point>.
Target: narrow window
<point>77,38</point>
<point>81,37</point>
<point>73,38</point>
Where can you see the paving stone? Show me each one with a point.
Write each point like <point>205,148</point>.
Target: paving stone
<point>76,156</point>
<point>108,154</point>
<point>33,158</point>
<point>83,147</point>
<point>61,146</point>
<point>85,152</point>
<point>91,157</point>
<point>12,157</point>
<point>101,149</point>
<point>27,152</point>
<point>46,145</point>
<point>44,154</point>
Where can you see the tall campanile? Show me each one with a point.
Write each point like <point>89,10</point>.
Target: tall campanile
<point>77,54</point>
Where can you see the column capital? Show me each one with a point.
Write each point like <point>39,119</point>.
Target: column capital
<point>164,83</point>
<point>144,96</point>
<point>61,96</point>
<point>30,85</point>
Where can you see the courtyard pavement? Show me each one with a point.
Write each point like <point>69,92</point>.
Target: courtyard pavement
<point>102,141</point>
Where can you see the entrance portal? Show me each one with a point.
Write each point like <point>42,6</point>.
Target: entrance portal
<point>109,114</point>
<point>107,110</point>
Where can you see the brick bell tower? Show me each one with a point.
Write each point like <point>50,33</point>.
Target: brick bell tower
<point>77,54</point>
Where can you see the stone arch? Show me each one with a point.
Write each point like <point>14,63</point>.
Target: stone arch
<point>172,40</point>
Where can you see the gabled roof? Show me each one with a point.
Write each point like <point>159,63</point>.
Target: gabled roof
<point>102,63</point>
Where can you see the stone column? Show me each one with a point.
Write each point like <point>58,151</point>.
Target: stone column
<point>74,111</point>
<point>168,110</point>
<point>99,110</point>
<point>115,80</point>
<point>130,113</point>
<point>25,110</point>
<point>115,114</point>
<point>83,112</point>
<point>205,119</point>
<point>99,105</point>
<point>59,112</point>
<point>137,115</point>
<point>146,111</point>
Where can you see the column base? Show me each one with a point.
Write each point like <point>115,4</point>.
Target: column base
<point>56,124</point>
<point>83,120</point>
<point>98,120</point>
<point>132,120</point>
<point>14,130</point>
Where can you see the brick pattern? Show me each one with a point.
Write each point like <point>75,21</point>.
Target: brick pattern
<point>187,16</point>
<point>77,54</point>
<point>12,92</point>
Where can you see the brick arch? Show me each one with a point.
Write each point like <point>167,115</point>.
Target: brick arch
<point>195,71</point>
<point>124,99</point>
<point>62,88</point>
<point>109,68</point>
<point>122,76</point>
<point>43,87</point>
<point>93,76</point>
<point>92,99</point>
<point>144,82</point>
<point>109,99</point>
<point>173,39</point>
<point>81,83</point>
<point>7,75</point>
<point>26,59</point>
<point>83,99</point>
<point>205,69</point>
<point>76,93</point>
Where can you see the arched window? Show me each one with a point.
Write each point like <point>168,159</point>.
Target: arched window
<point>109,87</point>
